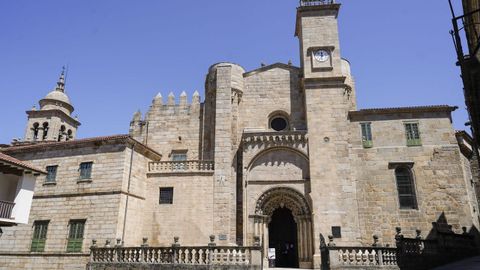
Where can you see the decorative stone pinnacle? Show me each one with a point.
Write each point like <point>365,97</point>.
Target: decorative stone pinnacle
<point>171,99</point>
<point>196,94</point>
<point>61,81</point>
<point>419,234</point>
<point>158,99</point>
<point>183,94</point>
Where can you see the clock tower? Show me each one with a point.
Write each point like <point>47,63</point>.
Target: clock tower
<point>317,30</point>
<point>329,97</point>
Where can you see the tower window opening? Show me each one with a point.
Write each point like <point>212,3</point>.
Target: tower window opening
<point>69,135</point>
<point>61,133</point>
<point>35,131</point>
<point>45,130</point>
<point>278,123</point>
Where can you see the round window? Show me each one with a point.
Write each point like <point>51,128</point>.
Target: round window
<point>279,124</point>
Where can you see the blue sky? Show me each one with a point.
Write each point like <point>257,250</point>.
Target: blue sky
<point>121,53</point>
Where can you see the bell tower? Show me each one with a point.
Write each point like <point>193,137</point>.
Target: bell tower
<point>329,97</point>
<point>53,121</point>
<point>317,30</point>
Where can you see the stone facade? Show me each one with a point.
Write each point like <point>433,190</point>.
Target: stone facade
<point>278,137</point>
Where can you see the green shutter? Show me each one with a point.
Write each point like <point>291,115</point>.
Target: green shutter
<point>74,245</point>
<point>75,236</point>
<point>367,140</point>
<point>413,134</point>
<point>39,236</point>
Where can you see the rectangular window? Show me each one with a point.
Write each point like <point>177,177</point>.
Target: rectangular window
<point>367,140</point>
<point>166,195</point>
<point>86,170</point>
<point>75,235</point>
<point>413,134</point>
<point>179,159</point>
<point>39,238</point>
<point>51,174</point>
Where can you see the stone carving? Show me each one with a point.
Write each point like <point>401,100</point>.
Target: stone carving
<point>282,197</point>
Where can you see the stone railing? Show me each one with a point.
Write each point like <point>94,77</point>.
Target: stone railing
<point>187,166</point>
<point>6,209</point>
<point>305,3</point>
<point>146,257</point>
<point>340,257</point>
<point>444,247</point>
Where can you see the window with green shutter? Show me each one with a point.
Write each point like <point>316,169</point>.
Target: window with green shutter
<point>413,134</point>
<point>75,235</point>
<point>367,139</point>
<point>39,238</point>
<point>86,170</point>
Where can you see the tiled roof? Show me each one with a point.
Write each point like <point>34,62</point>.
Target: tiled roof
<point>48,145</point>
<point>18,163</point>
<point>413,109</point>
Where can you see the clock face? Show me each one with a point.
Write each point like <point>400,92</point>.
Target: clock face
<point>321,55</point>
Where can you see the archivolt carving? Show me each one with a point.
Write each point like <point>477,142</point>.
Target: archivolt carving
<point>282,197</point>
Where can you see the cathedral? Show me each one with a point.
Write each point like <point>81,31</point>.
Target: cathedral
<point>280,154</point>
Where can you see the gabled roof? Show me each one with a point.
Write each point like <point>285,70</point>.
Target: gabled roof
<point>413,109</point>
<point>7,163</point>
<point>272,66</point>
<point>121,139</point>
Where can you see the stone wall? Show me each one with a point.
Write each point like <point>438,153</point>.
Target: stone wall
<point>270,90</point>
<point>172,127</point>
<point>191,215</point>
<point>438,172</point>
<point>41,262</point>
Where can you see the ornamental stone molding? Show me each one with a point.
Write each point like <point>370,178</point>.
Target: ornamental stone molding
<point>281,197</point>
<point>255,142</point>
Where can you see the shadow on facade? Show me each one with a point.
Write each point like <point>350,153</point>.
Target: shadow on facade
<point>441,246</point>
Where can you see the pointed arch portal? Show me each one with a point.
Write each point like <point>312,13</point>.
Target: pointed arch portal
<point>283,220</point>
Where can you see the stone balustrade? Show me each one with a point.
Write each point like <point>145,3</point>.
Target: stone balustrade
<point>187,166</point>
<point>360,257</point>
<point>305,3</point>
<point>151,257</point>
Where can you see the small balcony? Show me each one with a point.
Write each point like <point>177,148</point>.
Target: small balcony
<point>309,3</point>
<point>6,209</point>
<point>181,167</point>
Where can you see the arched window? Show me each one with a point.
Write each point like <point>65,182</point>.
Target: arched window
<point>35,130</point>
<point>278,122</point>
<point>406,188</point>
<point>45,130</point>
<point>61,133</point>
<point>69,134</point>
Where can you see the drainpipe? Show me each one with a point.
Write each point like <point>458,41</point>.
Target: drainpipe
<point>128,193</point>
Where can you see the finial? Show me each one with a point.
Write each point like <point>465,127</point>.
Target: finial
<point>34,108</point>
<point>158,99</point>
<point>137,116</point>
<point>61,81</point>
<point>183,99</point>
<point>196,99</point>
<point>171,99</point>
<point>262,64</point>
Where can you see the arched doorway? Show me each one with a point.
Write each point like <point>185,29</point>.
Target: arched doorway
<point>283,238</point>
<point>283,216</point>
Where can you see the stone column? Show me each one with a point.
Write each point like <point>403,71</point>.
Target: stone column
<point>40,134</point>
<point>224,186</point>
